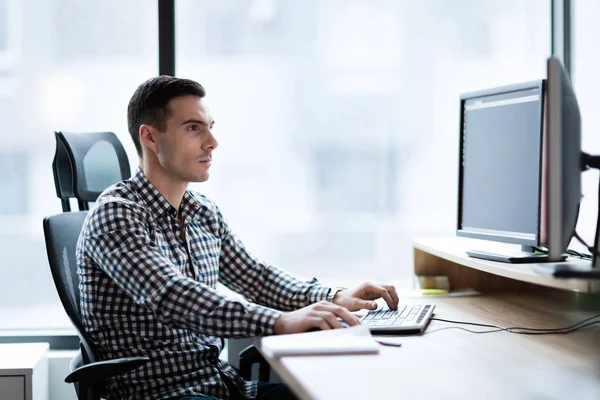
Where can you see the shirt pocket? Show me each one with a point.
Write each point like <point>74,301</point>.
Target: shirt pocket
<point>205,251</point>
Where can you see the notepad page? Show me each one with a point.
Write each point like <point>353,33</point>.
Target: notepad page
<point>354,340</point>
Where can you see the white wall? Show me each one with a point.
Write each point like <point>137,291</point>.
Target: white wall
<point>59,368</point>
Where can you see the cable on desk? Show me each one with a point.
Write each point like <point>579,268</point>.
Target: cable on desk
<point>570,252</point>
<point>559,329</point>
<point>557,332</point>
<point>516,327</point>
<point>461,328</point>
<point>520,330</point>
<point>583,242</point>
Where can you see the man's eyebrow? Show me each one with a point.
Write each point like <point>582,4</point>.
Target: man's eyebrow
<point>196,121</point>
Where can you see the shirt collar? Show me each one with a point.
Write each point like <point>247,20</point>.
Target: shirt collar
<point>156,202</point>
<point>190,206</point>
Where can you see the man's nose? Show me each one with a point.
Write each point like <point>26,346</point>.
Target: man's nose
<point>211,142</point>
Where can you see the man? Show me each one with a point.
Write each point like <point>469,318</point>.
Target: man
<point>151,253</point>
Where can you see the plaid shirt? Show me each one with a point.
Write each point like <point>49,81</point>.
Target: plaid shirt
<point>148,288</point>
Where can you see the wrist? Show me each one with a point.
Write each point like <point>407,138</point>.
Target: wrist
<point>333,294</point>
<point>336,298</point>
<point>278,326</point>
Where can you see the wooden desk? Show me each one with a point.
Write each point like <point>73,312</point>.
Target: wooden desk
<point>452,363</point>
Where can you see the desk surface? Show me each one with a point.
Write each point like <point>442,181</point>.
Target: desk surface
<point>452,363</point>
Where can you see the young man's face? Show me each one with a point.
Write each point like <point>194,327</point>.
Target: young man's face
<point>185,149</point>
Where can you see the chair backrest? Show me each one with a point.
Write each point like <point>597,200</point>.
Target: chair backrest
<point>61,233</point>
<point>87,163</point>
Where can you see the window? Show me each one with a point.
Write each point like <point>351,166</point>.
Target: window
<point>78,63</point>
<point>4,26</point>
<point>338,121</point>
<point>15,177</point>
<point>584,75</point>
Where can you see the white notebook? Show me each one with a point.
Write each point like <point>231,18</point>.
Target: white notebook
<point>354,340</point>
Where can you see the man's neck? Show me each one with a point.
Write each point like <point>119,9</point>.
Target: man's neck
<point>171,189</point>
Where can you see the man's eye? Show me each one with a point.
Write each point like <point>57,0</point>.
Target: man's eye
<point>192,128</point>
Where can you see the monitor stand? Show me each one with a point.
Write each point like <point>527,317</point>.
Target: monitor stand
<point>568,270</point>
<point>526,255</point>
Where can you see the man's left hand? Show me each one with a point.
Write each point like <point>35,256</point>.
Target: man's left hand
<point>362,297</point>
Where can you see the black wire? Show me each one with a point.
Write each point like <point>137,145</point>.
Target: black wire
<point>525,331</point>
<point>590,249</point>
<point>518,333</point>
<point>575,253</point>
<point>461,328</point>
<point>593,250</point>
<point>557,329</point>
<point>518,328</point>
<point>557,332</point>
<point>467,323</point>
<point>597,237</point>
<point>580,239</point>
<point>584,256</point>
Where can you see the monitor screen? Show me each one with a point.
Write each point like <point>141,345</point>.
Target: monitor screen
<point>500,163</point>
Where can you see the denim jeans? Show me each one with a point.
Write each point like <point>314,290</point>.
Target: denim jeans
<point>266,391</point>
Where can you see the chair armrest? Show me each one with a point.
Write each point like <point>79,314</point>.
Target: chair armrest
<point>250,356</point>
<point>101,370</point>
<point>251,353</point>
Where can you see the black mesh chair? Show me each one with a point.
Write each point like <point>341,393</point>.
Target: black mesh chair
<point>61,232</point>
<point>84,165</point>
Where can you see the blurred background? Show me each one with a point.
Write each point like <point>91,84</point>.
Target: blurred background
<point>337,119</point>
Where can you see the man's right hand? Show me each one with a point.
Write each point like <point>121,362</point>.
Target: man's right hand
<point>322,315</point>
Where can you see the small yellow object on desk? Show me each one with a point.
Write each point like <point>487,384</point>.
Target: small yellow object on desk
<point>432,282</point>
<point>433,291</point>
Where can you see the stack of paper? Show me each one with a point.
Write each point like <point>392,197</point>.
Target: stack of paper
<point>354,340</point>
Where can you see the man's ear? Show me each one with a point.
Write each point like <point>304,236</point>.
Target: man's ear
<point>148,137</point>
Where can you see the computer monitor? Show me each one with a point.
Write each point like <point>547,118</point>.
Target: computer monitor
<point>500,169</point>
<point>563,160</point>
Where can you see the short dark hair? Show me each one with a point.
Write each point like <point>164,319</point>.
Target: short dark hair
<point>150,103</point>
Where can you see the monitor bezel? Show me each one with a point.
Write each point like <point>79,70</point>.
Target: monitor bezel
<point>537,84</point>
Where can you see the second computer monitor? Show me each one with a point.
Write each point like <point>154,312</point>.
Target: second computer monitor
<point>500,168</point>
<point>564,160</point>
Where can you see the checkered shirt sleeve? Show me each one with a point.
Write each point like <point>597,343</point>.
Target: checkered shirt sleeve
<point>118,242</point>
<point>258,281</point>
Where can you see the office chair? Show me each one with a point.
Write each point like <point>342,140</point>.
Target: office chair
<point>61,233</point>
<point>84,165</point>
